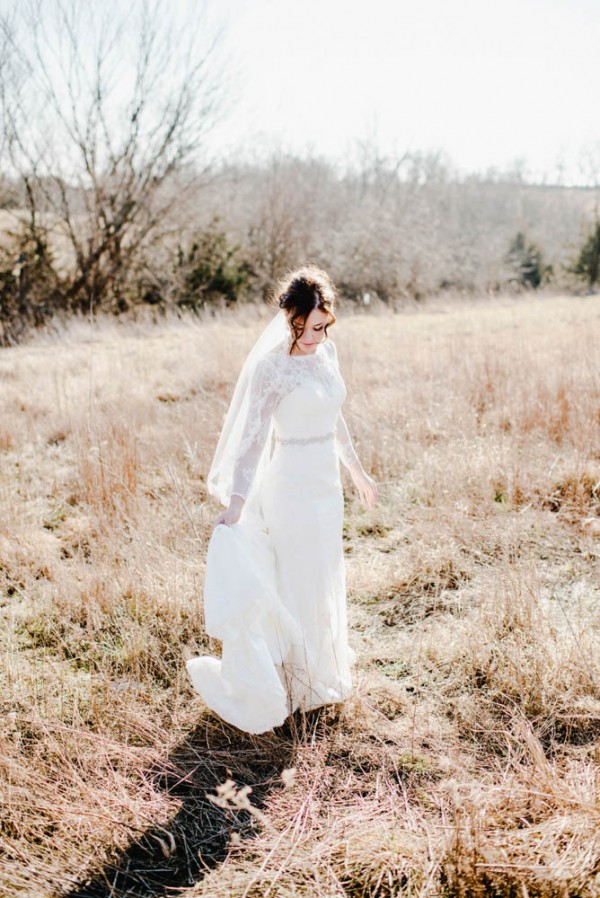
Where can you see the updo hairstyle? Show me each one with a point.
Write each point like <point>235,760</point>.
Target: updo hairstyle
<point>302,291</point>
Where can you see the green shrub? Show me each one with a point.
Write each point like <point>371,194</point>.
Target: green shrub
<point>527,262</point>
<point>29,285</point>
<point>587,264</point>
<point>211,269</point>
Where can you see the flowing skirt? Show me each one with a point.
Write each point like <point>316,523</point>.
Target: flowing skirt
<point>275,595</point>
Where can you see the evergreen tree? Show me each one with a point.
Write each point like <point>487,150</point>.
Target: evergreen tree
<point>527,261</point>
<point>211,269</point>
<point>587,264</point>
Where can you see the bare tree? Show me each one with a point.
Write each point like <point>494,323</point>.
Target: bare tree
<point>105,112</point>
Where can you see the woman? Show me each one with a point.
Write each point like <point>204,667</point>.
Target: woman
<point>274,589</point>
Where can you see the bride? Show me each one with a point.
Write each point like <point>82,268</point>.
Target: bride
<point>274,590</point>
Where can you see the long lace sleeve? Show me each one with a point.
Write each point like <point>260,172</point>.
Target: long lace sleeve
<point>263,398</point>
<point>345,448</point>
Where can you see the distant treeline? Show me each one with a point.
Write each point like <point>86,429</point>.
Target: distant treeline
<point>108,202</point>
<point>388,231</point>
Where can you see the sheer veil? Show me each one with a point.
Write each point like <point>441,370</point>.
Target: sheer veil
<point>220,476</point>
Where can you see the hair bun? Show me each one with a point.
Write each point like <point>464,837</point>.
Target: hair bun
<point>306,288</point>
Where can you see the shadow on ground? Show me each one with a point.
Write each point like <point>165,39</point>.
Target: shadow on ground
<point>196,840</point>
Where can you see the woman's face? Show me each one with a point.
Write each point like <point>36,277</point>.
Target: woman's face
<point>313,332</point>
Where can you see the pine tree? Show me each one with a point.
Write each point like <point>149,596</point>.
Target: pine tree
<point>587,264</point>
<point>527,261</point>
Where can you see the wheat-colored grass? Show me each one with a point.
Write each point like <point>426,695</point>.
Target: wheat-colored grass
<point>466,763</point>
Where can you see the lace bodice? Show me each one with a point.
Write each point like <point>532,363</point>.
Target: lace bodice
<point>299,399</point>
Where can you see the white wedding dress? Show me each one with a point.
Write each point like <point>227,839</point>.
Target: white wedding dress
<point>274,590</point>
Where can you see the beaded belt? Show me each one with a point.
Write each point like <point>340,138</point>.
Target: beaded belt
<point>304,441</point>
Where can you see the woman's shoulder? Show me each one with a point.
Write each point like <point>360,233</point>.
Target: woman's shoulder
<point>277,355</point>
<point>330,348</point>
<point>272,361</point>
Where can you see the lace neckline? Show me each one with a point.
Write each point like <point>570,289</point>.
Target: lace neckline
<point>304,358</point>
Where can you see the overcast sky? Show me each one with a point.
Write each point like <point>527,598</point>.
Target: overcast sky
<point>487,81</point>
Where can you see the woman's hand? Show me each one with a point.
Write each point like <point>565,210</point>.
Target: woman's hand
<point>231,515</point>
<point>365,486</point>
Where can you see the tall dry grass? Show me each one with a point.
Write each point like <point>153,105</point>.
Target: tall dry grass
<point>465,764</point>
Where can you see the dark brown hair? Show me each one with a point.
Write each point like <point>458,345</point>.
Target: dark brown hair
<point>300,292</point>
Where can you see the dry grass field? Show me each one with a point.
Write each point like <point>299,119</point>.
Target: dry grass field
<point>466,763</point>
